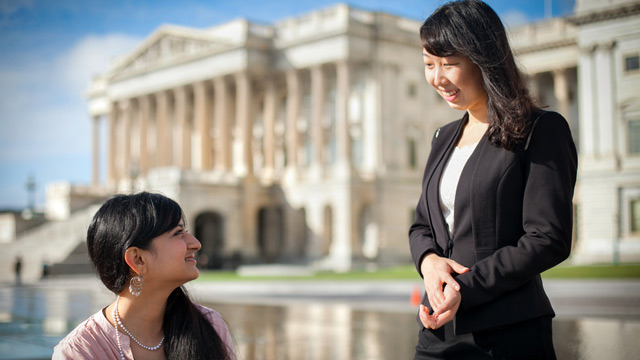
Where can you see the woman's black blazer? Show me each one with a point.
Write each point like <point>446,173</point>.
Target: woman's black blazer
<point>513,220</point>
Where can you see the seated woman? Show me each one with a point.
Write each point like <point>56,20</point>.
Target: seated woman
<point>143,253</point>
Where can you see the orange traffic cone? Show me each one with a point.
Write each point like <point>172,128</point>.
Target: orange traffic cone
<point>416,296</point>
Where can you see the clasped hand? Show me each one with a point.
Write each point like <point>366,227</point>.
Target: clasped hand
<point>442,290</point>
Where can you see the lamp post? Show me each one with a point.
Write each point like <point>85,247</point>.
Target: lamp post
<point>133,175</point>
<point>30,185</point>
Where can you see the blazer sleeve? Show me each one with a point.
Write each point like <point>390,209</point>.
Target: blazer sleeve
<point>421,239</point>
<point>547,218</point>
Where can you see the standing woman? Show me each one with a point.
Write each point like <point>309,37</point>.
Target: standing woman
<point>496,203</point>
<point>143,253</point>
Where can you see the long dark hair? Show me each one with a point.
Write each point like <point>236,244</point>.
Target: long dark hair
<point>134,220</point>
<point>471,28</point>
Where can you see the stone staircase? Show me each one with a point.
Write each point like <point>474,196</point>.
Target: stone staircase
<point>57,243</point>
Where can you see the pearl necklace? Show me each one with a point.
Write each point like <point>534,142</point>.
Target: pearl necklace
<point>116,322</point>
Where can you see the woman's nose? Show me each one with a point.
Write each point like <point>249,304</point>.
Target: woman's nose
<point>193,242</point>
<point>438,77</point>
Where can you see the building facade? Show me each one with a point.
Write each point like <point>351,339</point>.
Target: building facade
<point>305,140</point>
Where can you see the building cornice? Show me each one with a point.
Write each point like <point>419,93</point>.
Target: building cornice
<point>605,14</point>
<point>547,46</point>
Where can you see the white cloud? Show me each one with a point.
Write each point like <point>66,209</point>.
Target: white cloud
<point>90,56</point>
<point>42,107</point>
<point>514,18</point>
<point>45,127</point>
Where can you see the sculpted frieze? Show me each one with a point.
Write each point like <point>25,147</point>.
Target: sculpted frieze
<point>166,50</point>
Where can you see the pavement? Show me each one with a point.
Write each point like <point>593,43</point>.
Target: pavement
<point>570,298</point>
<point>34,317</point>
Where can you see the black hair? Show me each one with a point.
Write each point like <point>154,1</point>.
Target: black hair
<point>471,28</point>
<point>124,221</point>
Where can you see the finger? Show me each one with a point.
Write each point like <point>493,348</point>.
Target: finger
<point>427,321</point>
<point>445,306</point>
<point>452,282</point>
<point>432,301</point>
<point>432,293</point>
<point>458,268</point>
<point>442,319</point>
<point>438,298</point>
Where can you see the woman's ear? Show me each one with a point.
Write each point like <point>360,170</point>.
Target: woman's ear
<point>134,257</point>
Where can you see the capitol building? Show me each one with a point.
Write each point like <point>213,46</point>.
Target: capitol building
<point>304,141</point>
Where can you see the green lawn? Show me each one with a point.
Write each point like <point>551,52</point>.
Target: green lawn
<point>594,271</point>
<point>408,272</point>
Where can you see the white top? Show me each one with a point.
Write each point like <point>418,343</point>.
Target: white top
<point>449,181</point>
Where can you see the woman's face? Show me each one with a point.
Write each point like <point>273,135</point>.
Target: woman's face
<point>172,257</point>
<point>458,80</point>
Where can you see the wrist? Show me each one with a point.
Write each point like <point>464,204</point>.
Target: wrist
<point>423,263</point>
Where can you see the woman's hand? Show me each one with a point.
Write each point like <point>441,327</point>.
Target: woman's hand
<point>445,313</point>
<point>436,272</point>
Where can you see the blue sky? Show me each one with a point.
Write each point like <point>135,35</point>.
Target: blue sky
<point>50,49</point>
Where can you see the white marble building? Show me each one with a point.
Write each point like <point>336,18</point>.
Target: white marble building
<point>306,139</point>
<point>303,140</point>
<point>586,67</point>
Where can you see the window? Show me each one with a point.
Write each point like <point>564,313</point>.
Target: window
<point>411,90</point>
<point>413,156</point>
<point>634,136</point>
<point>635,216</point>
<point>632,63</point>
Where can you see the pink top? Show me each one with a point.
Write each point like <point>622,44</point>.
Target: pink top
<point>95,338</point>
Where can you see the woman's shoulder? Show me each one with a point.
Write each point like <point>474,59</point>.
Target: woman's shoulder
<point>213,316</point>
<point>548,121</point>
<point>219,325</point>
<point>208,312</point>
<point>89,339</point>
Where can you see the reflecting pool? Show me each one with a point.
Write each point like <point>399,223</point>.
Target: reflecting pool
<point>33,319</point>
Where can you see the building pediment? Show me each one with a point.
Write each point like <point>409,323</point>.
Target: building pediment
<point>168,46</point>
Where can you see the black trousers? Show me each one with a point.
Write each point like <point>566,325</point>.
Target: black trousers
<point>530,339</point>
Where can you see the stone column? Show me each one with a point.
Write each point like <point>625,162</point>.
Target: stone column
<point>606,116</point>
<point>125,159</point>
<point>533,87</point>
<point>293,113</point>
<point>95,174</point>
<point>184,128</point>
<point>270,109</point>
<point>342,115</point>
<point>203,125</point>
<point>223,134</point>
<point>317,115</point>
<point>164,139</point>
<point>244,124</point>
<point>145,112</point>
<point>588,102</point>
<point>112,172</point>
<point>561,91</point>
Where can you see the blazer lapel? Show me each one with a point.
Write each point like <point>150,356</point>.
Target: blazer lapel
<point>467,206</point>
<point>438,224</point>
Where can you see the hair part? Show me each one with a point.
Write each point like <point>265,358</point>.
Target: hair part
<point>124,221</point>
<point>471,28</point>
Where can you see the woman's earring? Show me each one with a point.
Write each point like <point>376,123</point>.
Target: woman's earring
<point>135,285</point>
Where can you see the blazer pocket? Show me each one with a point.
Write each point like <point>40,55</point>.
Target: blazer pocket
<point>481,254</point>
